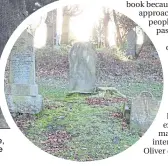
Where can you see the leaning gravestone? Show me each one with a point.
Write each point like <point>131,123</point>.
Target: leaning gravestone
<point>82,62</point>
<point>22,91</point>
<point>143,111</point>
<point>131,40</point>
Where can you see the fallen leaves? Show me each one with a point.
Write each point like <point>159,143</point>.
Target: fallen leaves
<point>55,141</point>
<point>57,66</point>
<point>23,121</point>
<point>105,101</point>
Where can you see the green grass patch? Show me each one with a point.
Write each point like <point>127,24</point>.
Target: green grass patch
<point>134,89</point>
<point>94,133</point>
<point>52,92</point>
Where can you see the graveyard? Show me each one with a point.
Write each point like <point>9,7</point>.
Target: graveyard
<point>83,101</point>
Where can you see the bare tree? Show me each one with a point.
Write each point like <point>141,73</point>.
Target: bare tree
<point>125,24</point>
<point>72,10</point>
<point>106,19</point>
<point>68,12</point>
<point>118,37</point>
<point>98,34</point>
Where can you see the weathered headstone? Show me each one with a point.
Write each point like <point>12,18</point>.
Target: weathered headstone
<point>82,62</point>
<point>143,111</point>
<point>22,91</point>
<point>131,43</point>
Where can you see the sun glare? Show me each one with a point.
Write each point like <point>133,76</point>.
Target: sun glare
<point>81,26</point>
<point>111,33</point>
<point>40,36</point>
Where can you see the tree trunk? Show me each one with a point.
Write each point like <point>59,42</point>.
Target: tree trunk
<point>119,39</point>
<point>65,29</point>
<point>142,45</point>
<point>106,22</point>
<point>106,36</point>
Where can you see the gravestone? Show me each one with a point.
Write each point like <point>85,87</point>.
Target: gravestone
<point>82,63</point>
<point>131,40</point>
<point>22,91</point>
<point>143,111</point>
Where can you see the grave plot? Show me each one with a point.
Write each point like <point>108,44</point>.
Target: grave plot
<point>81,127</point>
<point>80,120</point>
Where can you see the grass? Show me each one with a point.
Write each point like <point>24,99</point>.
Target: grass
<point>71,128</point>
<point>52,92</point>
<point>133,89</point>
<point>94,133</point>
<point>82,131</point>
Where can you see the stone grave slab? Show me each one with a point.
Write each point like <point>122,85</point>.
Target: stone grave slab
<point>22,91</point>
<point>131,40</point>
<point>82,63</point>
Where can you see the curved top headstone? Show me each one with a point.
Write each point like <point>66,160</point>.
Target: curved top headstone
<point>143,111</point>
<point>82,62</point>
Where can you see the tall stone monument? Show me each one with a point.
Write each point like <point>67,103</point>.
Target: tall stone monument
<point>22,91</point>
<point>82,62</point>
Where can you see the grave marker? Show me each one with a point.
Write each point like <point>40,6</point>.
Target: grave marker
<point>131,43</point>
<point>82,62</point>
<point>22,91</point>
<point>143,111</point>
